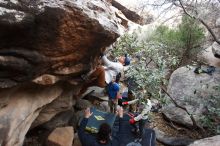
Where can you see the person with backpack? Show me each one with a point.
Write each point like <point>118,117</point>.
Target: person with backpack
<point>113,94</point>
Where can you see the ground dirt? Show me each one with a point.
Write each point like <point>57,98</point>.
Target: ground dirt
<point>171,129</point>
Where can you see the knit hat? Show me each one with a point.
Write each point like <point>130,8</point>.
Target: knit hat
<point>127,60</point>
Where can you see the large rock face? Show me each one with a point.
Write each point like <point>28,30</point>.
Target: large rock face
<point>197,92</point>
<point>20,106</point>
<point>53,37</point>
<point>62,103</point>
<point>48,42</point>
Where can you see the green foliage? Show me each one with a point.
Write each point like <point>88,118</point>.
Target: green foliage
<point>190,35</point>
<point>181,42</point>
<point>126,44</point>
<point>212,117</point>
<point>158,53</point>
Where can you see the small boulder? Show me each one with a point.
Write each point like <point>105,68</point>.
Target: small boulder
<point>177,115</point>
<point>168,140</point>
<point>62,136</point>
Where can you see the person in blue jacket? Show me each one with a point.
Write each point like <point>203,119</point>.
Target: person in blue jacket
<point>113,94</point>
<point>102,138</point>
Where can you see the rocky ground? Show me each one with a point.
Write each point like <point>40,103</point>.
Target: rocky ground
<point>171,129</point>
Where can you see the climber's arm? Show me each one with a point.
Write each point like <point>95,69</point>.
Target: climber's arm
<point>82,134</point>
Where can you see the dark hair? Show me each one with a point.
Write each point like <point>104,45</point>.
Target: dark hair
<point>104,132</point>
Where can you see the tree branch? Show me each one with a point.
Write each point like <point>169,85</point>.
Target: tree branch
<point>202,21</point>
<point>149,62</point>
<point>210,31</point>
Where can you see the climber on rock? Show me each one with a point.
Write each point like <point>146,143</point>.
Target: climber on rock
<point>103,75</point>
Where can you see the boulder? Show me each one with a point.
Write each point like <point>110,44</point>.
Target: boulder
<point>208,57</point>
<point>82,104</point>
<point>60,38</point>
<point>20,106</point>
<point>170,140</point>
<point>76,118</point>
<point>61,104</point>
<point>217,23</point>
<point>177,115</point>
<point>210,141</point>
<point>60,120</point>
<point>196,92</point>
<point>216,49</point>
<point>62,136</point>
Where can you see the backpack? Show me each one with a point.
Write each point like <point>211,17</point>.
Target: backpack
<point>112,90</point>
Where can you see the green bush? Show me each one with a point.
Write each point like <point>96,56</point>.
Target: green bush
<point>162,51</point>
<point>210,120</point>
<point>183,42</point>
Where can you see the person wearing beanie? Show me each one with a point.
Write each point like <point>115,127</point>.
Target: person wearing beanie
<point>112,69</point>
